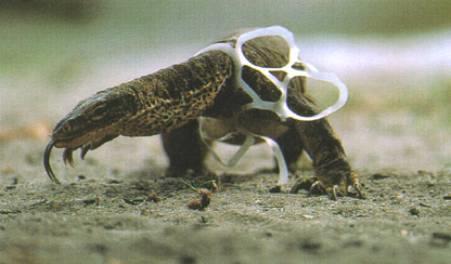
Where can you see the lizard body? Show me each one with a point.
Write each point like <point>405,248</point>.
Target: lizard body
<point>200,93</point>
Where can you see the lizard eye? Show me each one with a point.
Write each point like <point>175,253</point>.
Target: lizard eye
<point>66,127</point>
<point>100,108</point>
<point>98,112</point>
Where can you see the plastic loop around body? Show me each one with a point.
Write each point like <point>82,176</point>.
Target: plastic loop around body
<point>279,107</point>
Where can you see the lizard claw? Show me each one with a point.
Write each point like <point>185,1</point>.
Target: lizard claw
<point>316,187</point>
<point>67,157</point>
<point>358,188</point>
<point>84,150</point>
<point>355,190</point>
<point>332,192</point>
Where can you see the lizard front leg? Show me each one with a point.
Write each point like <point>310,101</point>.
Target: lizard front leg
<point>185,149</point>
<point>333,172</point>
<point>291,145</point>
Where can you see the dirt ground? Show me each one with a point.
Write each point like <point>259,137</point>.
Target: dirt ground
<point>105,214</point>
<point>118,207</point>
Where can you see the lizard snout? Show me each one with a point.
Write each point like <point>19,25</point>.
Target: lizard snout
<point>90,124</point>
<point>68,133</point>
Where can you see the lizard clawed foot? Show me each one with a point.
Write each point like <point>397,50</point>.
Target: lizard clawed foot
<point>315,186</point>
<point>319,188</point>
<point>355,190</point>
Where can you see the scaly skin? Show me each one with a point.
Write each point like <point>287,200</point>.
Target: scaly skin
<point>171,101</point>
<point>149,105</point>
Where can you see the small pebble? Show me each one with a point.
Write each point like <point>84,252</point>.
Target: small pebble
<point>145,212</point>
<point>404,232</point>
<point>310,245</point>
<point>153,197</point>
<point>440,239</point>
<point>185,259</point>
<point>443,236</point>
<point>379,176</point>
<point>275,189</point>
<point>425,173</point>
<point>133,201</point>
<point>353,243</point>
<point>414,211</point>
<point>203,202</point>
<point>15,181</point>
<point>114,181</point>
<point>268,234</point>
<point>306,216</point>
<point>89,201</point>
<point>7,170</point>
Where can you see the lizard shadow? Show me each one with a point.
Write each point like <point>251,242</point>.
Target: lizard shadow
<point>143,185</point>
<point>155,179</point>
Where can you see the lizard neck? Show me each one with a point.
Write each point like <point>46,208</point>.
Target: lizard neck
<point>173,96</point>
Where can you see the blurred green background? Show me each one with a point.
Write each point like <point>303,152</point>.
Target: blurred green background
<point>395,57</point>
<point>39,34</point>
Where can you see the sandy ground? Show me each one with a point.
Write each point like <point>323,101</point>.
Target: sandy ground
<point>107,212</point>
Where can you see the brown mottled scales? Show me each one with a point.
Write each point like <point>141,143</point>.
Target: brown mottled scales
<point>175,101</point>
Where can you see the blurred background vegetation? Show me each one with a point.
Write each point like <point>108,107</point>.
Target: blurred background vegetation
<point>394,55</point>
<point>37,34</point>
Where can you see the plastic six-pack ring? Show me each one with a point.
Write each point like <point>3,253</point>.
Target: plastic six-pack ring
<point>280,106</point>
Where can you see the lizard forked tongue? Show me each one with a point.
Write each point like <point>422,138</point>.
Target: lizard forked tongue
<point>48,168</point>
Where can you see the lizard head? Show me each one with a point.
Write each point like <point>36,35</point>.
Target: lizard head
<point>91,123</point>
